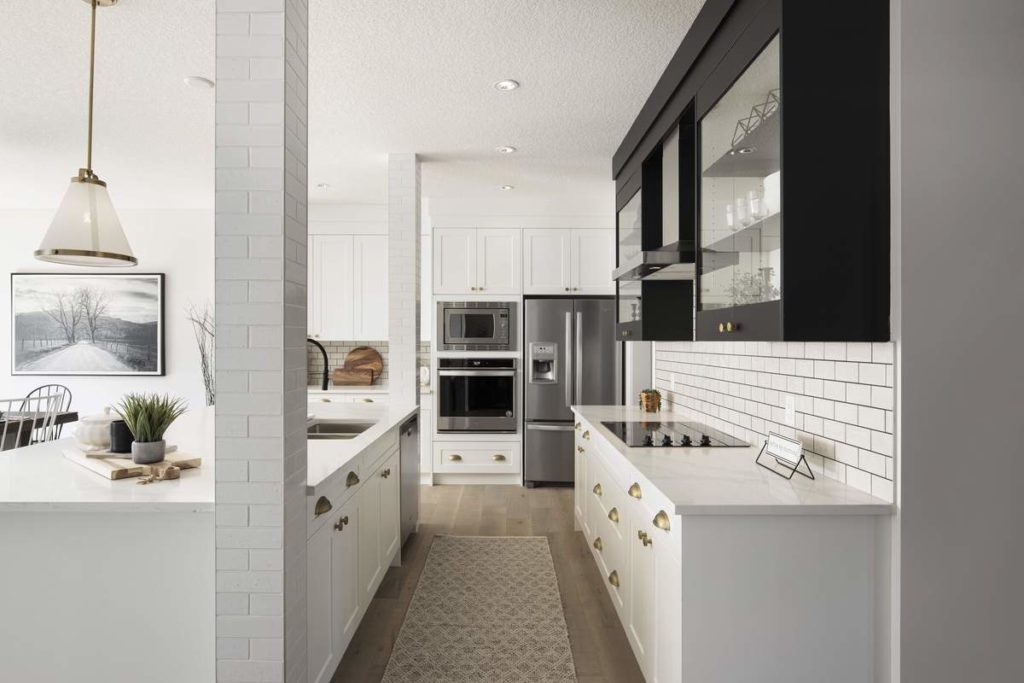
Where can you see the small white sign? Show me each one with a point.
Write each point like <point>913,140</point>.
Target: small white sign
<point>784,449</point>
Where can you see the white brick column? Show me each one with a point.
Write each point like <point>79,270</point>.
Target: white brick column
<point>261,329</point>
<point>403,276</point>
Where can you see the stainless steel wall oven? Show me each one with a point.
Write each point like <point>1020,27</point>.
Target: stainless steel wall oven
<point>476,395</point>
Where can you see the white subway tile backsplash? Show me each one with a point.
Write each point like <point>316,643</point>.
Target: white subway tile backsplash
<point>842,397</point>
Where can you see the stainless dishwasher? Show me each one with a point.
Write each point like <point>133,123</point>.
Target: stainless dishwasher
<point>409,445</point>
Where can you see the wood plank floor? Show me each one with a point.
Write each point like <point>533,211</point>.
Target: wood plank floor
<point>599,644</point>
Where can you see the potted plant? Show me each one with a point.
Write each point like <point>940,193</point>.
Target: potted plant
<point>650,400</point>
<point>148,416</point>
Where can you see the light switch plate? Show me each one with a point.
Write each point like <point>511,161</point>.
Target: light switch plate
<point>790,410</point>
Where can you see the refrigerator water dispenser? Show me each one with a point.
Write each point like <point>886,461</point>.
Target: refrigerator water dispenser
<point>543,362</point>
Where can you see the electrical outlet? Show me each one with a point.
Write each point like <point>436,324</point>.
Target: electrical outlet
<point>790,410</point>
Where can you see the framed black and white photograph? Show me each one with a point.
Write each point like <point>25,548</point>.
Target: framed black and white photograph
<point>87,324</point>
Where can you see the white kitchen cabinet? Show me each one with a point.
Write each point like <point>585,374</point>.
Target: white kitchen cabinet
<point>454,260</point>
<point>642,599</point>
<point>426,438</point>
<point>333,286</point>
<point>499,254</point>
<point>390,521</point>
<point>592,260</point>
<point>568,261</point>
<point>370,287</point>
<point>320,608</point>
<point>547,266</point>
<point>370,566</point>
<point>347,287</point>
<point>477,261</point>
<point>580,497</point>
<point>668,615</point>
<point>344,574</point>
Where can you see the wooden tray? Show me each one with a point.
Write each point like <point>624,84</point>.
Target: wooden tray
<point>363,357</point>
<point>124,468</point>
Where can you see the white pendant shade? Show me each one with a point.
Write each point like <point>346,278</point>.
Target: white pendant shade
<point>86,230</point>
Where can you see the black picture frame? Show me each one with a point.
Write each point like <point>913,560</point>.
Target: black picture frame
<point>124,355</point>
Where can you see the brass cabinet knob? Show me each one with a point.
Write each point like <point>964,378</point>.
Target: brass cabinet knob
<point>613,515</point>
<point>351,480</point>
<point>498,457</point>
<point>721,327</point>
<point>579,449</point>
<point>586,435</point>
<point>626,333</point>
<point>340,524</point>
<point>598,543</point>
<point>323,505</point>
<point>730,327</point>
<point>455,457</point>
<point>385,473</point>
<point>597,489</point>
<point>661,521</point>
<point>567,289</point>
<point>646,540</point>
<point>613,578</point>
<point>634,491</point>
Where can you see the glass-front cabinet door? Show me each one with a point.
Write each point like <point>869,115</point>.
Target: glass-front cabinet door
<point>740,190</point>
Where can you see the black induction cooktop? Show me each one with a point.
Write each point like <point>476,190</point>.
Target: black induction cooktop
<point>654,434</point>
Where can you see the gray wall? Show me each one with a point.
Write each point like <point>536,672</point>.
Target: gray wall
<point>960,320</point>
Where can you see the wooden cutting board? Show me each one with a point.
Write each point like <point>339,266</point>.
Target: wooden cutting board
<point>349,377</point>
<point>124,468</point>
<point>365,357</point>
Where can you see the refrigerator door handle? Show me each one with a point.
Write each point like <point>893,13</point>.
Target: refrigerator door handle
<point>570,360</point>
<point>578,356</point>
<point>540,427</point>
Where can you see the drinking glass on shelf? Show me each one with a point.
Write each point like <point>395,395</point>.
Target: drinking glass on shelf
<point>729,218</point>
<point>742,215</point>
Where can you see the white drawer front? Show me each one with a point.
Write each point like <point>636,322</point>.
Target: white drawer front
<point>474,457</point>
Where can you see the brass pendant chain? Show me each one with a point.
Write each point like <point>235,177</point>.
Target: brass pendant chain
<point>92,72</point>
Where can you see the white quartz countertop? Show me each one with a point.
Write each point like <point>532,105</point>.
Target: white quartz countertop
<point>332,389</point>
<point>726,480</point>
<point>39,478</point>
<point>326,457</point>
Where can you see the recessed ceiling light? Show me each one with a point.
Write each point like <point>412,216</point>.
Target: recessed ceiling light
<point>506,85</point>
<point>323,186</point>
<point>198,82</point>
<point>743,150</point>
<point>507,149</point>
<point>508,187</point>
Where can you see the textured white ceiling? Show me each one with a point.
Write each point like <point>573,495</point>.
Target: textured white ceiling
<point>153,139</point>
<point>385,75</point>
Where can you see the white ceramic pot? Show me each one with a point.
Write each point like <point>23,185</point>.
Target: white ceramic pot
<point>93,431</point>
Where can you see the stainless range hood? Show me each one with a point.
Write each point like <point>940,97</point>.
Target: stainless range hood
<point>672,262</point>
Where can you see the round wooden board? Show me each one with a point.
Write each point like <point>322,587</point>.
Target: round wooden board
<point>365,357</point>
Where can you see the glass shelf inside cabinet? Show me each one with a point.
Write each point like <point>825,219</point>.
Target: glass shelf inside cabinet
<point>741,199</point>
<point>630,308</point>
<point>630,240</point>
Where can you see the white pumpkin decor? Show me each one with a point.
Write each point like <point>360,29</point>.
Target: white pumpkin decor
<point>93,432</point>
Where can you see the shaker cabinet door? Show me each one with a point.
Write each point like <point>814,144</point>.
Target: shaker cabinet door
<point>319,623</point>
<point>593,260</point>
<point>499,261</point>
<point>370,284</point>
<point>345,574</point>
<point>454,260</point>
<point>546,261</point>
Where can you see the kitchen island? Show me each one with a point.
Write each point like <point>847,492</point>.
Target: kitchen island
<point>105,581</point>
<point>723,571</point>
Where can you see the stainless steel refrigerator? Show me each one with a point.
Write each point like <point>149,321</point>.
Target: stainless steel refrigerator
<point>572,358</point>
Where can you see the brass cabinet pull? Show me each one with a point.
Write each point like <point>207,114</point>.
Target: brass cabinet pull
<point>728,327</point>
<point>351,480</point>
<point>578,425</point>
<point>613,578</point>
<point>498,457</point>
<point>385,473</point>
<point>634,491</point>
<point>586,435</point>
<point>597,489</point>
<point>579,449</point>
<point>366,400</point>
<point>613,515</point>
<point>644,538</point>
<point>323,505</point>
<point>626,333</point>
<point>455,457</point>
<point>661,521</point>
<point>598,543</point>
<point>340,524</point>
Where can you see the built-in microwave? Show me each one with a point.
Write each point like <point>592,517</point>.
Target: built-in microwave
<point>476,325</point>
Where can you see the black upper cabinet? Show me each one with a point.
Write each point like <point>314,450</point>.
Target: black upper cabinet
<point>787,168</point>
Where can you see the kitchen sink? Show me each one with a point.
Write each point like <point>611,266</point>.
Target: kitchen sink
<point>336,429</point>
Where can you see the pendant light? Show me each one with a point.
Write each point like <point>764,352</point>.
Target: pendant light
<point>86,230</point>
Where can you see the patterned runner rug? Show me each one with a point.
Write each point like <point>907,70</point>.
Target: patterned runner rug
<point>485,609</point>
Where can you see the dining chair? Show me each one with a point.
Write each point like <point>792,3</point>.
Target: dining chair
<point>63,397</point>
<point>28,420</point>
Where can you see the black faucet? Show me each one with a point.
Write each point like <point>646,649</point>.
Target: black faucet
<point>323,352</point>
